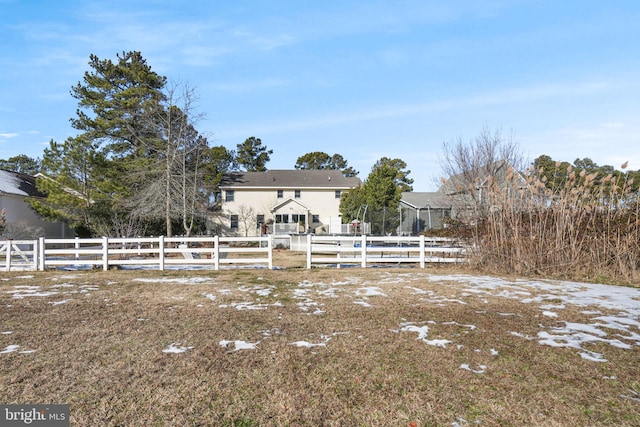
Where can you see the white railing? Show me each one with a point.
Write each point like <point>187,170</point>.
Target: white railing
<point>374,250</point>
<point>160,252</point>
<point>286,228</point>
<point>216,252</point>
<point>18,255</point>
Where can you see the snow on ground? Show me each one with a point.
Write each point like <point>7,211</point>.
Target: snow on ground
<point>238,345</point>
<point>179,280</point>
<point>620,329</point>
<point>176,348</point>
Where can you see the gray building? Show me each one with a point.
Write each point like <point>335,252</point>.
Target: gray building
<point>422,211</point>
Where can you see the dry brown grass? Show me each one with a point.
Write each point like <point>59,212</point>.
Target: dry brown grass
<point>101,352</point>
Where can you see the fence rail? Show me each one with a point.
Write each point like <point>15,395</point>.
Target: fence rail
<point>373,250</point>
<point>216,252</point>
<point>107,252</point>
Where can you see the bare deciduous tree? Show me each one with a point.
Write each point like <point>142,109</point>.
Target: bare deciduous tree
<point>170,182</point>
<point>247,217</point>
<point>473,169</point>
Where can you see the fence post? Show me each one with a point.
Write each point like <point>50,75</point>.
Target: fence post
<point>35,254</point>
<point>309,236</point>
<point>41,260</point>
<point>422,254</point>
<point>105,253</point>
<point>270,246</point>
<point>8,253</point>
<point>363,262</point>
<point>76,246</point>
<point>216,252</point>
<point>161,253</point>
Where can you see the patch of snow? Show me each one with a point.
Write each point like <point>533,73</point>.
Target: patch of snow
<point>472,327</point>
<point>176,348</point>
<point>10,349</point>
<point>20,292</point>
<point>370,292</point>
<point>64,301</point>
<point>264,292</point>
<point>362,303</point>
<point>307,344</point>
<point>481,370</point>
<point>422,331</point>
<point>438,343</point>
<point>246,305</point>
<point>518,334</point>
<point>13,348</point>
<point>238,345</point>
<point>210,296</point>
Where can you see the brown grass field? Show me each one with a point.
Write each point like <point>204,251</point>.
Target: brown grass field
<point>99,342</point>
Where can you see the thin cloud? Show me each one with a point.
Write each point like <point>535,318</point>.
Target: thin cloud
<point>505,96</point>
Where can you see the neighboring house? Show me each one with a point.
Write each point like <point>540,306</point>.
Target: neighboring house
<point>485,188</point>
<point>22,221</point>
<point>421,212</point>
<point>280,202</point>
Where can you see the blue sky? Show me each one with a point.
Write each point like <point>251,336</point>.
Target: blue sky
<point>364,79</point>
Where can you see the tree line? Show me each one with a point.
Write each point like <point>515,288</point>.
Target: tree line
<point>139,166</point>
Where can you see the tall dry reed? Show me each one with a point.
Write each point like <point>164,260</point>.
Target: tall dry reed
<point>587,227</point>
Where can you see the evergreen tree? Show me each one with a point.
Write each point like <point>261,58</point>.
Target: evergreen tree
<point>136,162</point>
<point>379,196</point>
<point>21,163</point>
<point>319,160</point>
<point>252,155</point>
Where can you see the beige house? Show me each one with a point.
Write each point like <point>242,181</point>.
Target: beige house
<point>280,202</point>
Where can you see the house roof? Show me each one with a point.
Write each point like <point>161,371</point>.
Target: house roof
<point>326,178</point>
<point>422,200</point>
<point>478,178</point>
<point>19,184</point>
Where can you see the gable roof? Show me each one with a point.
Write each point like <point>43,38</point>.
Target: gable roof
<point>281,179</point>
<point>422,200</point>
<point>287,202</point>
<point>18,184</point>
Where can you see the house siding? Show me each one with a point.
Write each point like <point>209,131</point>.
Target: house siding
<point>304,195</point>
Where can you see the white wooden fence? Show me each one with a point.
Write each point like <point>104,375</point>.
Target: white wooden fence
<point>373,250</point>
<point>160,252</point>
<point>216,252</point>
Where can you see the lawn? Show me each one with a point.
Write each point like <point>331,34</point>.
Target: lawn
<point>334,347</point>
